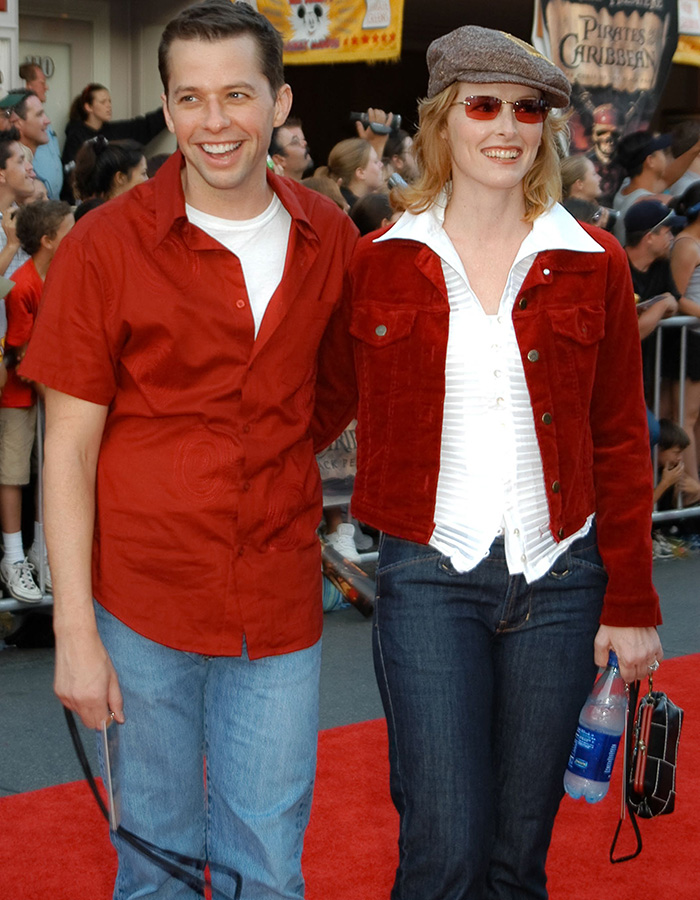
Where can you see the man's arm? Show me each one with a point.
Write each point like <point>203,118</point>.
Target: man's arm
<point>649,318</point>
<point>678,166</point>
<point>7,254</point>
<point>85,680</point>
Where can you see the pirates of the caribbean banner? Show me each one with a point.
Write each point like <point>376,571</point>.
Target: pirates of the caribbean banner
<point>331,31</point>
<point>617,55</point>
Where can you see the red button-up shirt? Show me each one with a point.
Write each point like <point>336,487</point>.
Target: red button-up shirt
<point>208,492</point>
<point>22,305</point>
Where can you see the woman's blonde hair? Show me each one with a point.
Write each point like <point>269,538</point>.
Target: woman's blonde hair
<point>573,169</point>
<point>541,185</point>
<point>345,158</point>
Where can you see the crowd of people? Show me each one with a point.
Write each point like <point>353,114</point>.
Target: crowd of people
<point>204,332</point>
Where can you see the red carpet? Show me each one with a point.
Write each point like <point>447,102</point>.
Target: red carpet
<point>54,844</point>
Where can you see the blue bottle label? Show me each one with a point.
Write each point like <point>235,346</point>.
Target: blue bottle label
<point>593,754</point>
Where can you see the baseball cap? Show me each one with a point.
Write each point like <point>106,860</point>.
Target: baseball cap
<point>645,215</point>
<point>634,148</point>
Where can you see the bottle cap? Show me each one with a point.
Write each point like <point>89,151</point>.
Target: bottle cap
<point>612,659</point>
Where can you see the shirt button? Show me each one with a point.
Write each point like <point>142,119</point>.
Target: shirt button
<point>380,330</point>
<point>556,487</point>
<point>499,319</point>
<point>533,355</point>
<point>523,558</point>
<point>497,373</point>
<point>240,304</point>
<point>516,531</point>
<point>522,303</point>
<point>547,419</point>
<point>500,401</point>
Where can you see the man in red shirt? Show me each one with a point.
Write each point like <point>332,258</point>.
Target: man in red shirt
<point>193,343</point>
<point>40,229</point>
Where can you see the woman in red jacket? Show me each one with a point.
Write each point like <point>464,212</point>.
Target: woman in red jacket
<point>501,409</point>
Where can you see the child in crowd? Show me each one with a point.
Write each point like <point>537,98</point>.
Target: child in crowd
<point>40,227</point>
<point>672,442</point>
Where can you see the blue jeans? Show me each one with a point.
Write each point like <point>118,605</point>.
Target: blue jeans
<point>482,678</point>
<point>216,761</point>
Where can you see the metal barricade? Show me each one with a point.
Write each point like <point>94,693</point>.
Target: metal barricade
<point>686,324</point>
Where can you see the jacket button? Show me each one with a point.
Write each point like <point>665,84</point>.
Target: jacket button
<point>533,355</point>
<point>546,272</point>
<point>240,303</point>
<point>556,487</point>
<point>522,303</point>
<point>560,533</point>
<point>547,419</point>
<point>380,330</point>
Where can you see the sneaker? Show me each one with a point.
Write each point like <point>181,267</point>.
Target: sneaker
<point>661,547</point>
<point>34,560</point>
<point>343,540</point>
<point>19,582</point>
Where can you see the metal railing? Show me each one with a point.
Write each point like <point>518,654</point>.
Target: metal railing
<point>686,324</point>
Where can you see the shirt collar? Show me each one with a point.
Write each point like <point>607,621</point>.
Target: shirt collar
<point>170,198</point>
<point>555,229</point>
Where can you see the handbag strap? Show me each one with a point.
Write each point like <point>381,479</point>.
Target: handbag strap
<point>186,869</point>
<point>625,806</point>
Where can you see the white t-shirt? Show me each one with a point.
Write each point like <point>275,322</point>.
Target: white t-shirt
<point>260,244</point>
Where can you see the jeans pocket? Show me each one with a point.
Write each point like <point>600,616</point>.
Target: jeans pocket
<point>397,553</point>
<point>561,567</point>
<point>446,566</point>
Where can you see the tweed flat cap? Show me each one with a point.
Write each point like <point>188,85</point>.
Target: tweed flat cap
<point>482,55</point>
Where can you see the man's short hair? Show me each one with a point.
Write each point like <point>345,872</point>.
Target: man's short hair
<point>7,138</point>
<point>21,106</point>
<point>217,20</point>
<point>672,435</point>
<point>28,71</point>
<point>34,220</point>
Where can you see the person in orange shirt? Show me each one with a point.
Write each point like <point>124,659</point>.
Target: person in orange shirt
<point>40,228</point>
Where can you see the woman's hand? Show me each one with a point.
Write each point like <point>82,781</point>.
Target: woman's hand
<point>636,648</point>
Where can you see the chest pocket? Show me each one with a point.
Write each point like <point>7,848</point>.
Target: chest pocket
<point>381,326</point>
<point>583,324</point>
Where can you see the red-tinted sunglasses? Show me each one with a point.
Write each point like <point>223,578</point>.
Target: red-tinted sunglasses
<point>530,109</point>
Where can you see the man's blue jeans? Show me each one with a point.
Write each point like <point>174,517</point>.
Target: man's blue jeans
<point>482,679</point>
<point>254,722</point>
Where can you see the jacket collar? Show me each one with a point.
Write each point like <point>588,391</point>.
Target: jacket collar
<point>555,229</point>
<point>170,204</point>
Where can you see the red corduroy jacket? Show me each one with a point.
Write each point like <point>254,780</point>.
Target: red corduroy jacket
<point>576,328</point>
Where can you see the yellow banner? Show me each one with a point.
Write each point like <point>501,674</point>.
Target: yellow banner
<point>688,49</point>
<point>331,31</point>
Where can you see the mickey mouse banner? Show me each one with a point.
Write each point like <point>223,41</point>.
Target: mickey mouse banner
<point>688,49</point>
<point>331,31</point>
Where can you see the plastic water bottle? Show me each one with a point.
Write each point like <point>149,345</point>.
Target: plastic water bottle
<point>600,726</point>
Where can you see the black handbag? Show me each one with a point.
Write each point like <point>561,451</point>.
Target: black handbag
<point>653,733</point>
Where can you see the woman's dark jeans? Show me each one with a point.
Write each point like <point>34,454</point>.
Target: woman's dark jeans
<point>482,679</point>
